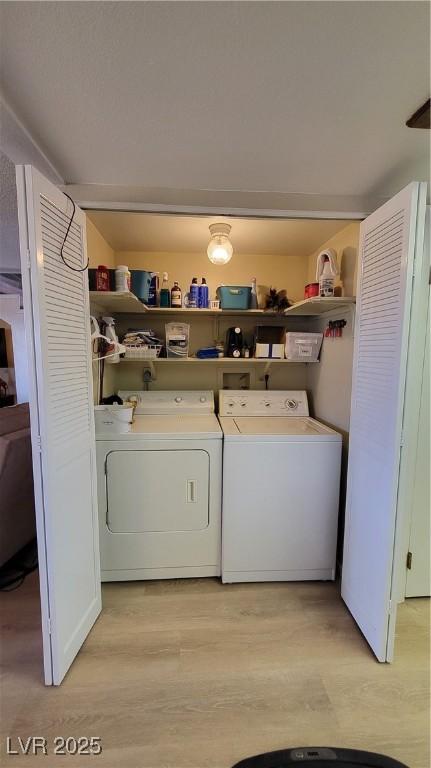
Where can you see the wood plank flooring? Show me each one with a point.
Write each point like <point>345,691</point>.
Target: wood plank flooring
<point>193,674</point>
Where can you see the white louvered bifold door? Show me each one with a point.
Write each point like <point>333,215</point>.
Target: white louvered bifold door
<point>56,307</point>
<point>387,254</point>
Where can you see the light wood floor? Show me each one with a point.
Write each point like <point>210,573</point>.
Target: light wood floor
<point>191,674</point>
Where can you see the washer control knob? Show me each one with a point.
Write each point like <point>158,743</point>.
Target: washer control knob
<point>231,405</point>
<point>202,399</point>
<point>243,405</point>
<point>291,405</point>
<point>178,399</point>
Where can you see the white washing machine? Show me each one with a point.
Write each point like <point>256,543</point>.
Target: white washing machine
<point>281,478</point>
<point>159,489</point>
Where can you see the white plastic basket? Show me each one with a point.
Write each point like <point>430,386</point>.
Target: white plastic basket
<point>113,418</point>
<point>140,352</point>
<point>303,347</point>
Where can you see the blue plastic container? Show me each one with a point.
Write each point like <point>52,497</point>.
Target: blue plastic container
<point>153,293</point>
<point>234,296</point>
<point>203,300</point>
<point>193,296</point>
<point>141,281</point>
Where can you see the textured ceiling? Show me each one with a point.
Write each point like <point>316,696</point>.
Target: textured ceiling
<point>190,234</point>
<point>9,236</point>
<point>302,97</point>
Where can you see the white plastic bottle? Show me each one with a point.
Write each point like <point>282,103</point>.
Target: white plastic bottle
<point>110,334</point>
<point>122,278</point>
<point>326,280</point>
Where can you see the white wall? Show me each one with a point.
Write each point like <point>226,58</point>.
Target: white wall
<point>13,315</point>
<point>9,238</point>
<point>345,243</point>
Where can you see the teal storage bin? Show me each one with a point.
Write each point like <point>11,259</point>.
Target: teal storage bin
<point>141,280</point>
<point>234,296</point>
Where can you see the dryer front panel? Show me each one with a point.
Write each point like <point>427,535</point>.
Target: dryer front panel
<point>157,491</point>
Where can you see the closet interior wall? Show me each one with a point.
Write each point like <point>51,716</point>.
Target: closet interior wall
<point>328,383</point>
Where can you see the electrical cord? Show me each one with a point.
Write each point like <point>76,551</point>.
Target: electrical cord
<point>74,269</point>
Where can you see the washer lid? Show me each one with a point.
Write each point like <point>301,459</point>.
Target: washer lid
<point>275,427</point>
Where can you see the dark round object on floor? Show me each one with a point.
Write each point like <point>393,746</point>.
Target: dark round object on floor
<point>319,757</point>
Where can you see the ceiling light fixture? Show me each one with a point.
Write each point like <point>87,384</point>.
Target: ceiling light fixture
<point>220,248</point>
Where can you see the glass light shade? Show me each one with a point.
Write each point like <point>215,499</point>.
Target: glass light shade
<point>220,248</point>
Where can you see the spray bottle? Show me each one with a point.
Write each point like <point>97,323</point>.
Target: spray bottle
<point>111,335</point>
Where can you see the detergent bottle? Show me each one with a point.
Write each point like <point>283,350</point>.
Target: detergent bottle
<point>326,271</point>
<point>203,299</point>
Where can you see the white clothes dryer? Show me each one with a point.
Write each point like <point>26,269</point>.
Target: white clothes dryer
<point>281,477</point>
<point>159,489</point>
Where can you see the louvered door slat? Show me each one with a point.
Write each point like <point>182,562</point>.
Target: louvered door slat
<point>57,308</point>
<point>381,335</point>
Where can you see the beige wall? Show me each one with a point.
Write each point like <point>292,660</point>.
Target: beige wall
<point>345,243</point>
<point>98,250</point>
<point>289,272</point>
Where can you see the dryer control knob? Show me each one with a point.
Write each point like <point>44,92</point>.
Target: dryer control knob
<point>178,399</point>
<point>203,399</point>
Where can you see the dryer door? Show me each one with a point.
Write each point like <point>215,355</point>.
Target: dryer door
<point>151,491</point>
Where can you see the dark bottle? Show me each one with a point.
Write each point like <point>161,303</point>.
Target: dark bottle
<point>176,296</point>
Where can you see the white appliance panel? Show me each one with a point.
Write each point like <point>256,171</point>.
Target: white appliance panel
<point>280,510</point>
<point>151,491</point>
<point>176,468</point>
<point>282,426</point>
<point>170,403</point>
<point>239,402</point>
<point>176,427</point>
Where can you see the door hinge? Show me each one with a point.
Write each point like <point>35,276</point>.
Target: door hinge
<point>28,259</point>
<point>409,559</point>
<point>402,439</point>
<point>48,623</point>
<point>39,444</point>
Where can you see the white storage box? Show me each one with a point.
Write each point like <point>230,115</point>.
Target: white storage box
<point>303,347</point>
<point>113,418</point>
<point>177,340</point>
